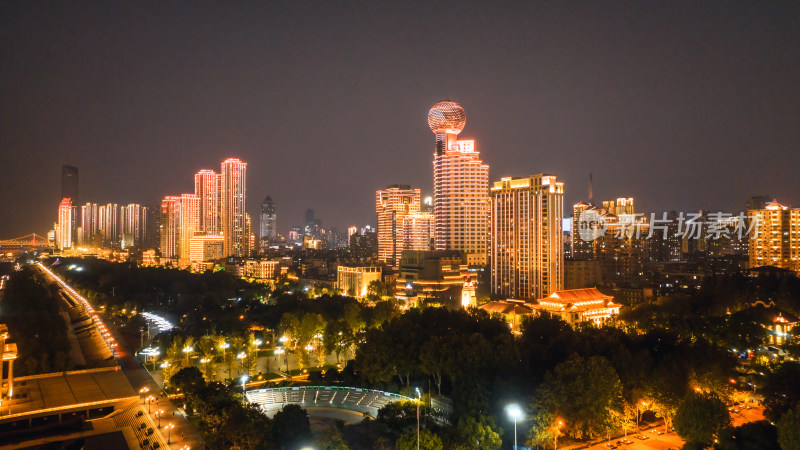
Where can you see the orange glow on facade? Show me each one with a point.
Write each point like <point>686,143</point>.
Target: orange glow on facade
<point>527,241</point>
<point>401,223</point>
<point>460,187</point>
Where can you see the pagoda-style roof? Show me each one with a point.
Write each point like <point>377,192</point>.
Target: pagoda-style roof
<point>577,300</point>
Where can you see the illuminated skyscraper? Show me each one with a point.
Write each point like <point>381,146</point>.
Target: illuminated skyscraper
<point>64,225</point>
<point>69,183</point>
<point>460,186</point>
<point>170,226</point>
<point>188,225</point>
<point>268,217</point>
<point>401,224</point>
<point>89,225</point>
<point>206,188</point>
<point>527,239</point>
<point>775,237</point>
<point>109,224</point>
<point>134,223</point>
<point>233,207</point>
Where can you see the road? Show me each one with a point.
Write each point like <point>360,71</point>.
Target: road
<point>183,435</point>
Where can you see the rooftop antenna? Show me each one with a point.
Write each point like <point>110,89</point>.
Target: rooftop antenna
<point>591,190</point>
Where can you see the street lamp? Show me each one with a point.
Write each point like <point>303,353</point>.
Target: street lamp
<point>188,351</point>
<point>149,400</point>
<point>169,428</point>
<point>159,413</point>
<point>144,390</point>
<point>515,413</point>
<point>244,386</point>
<point>638,413</point>
<point>555,435</point>
<point>419,399</point>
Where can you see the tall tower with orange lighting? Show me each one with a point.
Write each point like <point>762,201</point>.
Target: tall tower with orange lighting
<point>460,186</point>
<point>233,207</point>
<point>206,187</point>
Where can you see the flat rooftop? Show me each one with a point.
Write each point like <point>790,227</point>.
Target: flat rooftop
<point>65,390</point>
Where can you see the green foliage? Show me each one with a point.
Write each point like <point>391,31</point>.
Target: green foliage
<point>701,417</point>
<point>782,390</point>
<point>330,439</point>
<point>480,434</point>
<point>30,308</point>
<point>789,430</point>
<point>292,428</point>
<point>188,380</point>
<point>398,415</point>
<point>427,441</point>
<point>582,393</point>
<point>749,436</point>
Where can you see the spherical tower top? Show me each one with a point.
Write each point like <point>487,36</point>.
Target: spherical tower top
<point>447,117</point>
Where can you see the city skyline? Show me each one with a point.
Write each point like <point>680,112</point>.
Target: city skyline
<point>678,128</point>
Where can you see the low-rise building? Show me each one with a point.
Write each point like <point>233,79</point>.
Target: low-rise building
<point>354,280</point>
<point>577,306</point>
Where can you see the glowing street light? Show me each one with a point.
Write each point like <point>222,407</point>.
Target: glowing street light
<point>244,387</point>
<point>169,428</point>
<point>555,435</point>
<point>159,413</point>
<point>515,413</point>
<point>419,398</point>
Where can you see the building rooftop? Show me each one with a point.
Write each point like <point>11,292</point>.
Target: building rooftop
<point>68,389</point>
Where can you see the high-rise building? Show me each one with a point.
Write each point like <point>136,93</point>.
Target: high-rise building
<point>109,224</point>
<point>401,224</point>
<point>134,225</point>
<point>89,236</point>
<point>188,225</point>
<point>207,189</point>
<point>268,217</point>
<point>233,207</point>
<point>775,237</point>
<point>64,225</point>
<point>527,256</point>
<point>619,206</point>
<point>170,226</point>
<point>460,186</point>
<point>69,183</point>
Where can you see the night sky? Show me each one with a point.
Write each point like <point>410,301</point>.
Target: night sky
<point>680,105</point>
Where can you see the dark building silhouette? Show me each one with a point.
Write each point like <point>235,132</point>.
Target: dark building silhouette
<point>69,183</point>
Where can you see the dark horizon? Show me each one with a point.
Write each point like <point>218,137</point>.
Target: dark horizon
<point>680,105</point>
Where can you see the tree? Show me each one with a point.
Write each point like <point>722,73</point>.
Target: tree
<point>434,356</point>
<point>582,392</point>
<point>479,434</point>
<point>291,427</point>
<point>782,390</point>
<point>330,439</point>
<point>189,380</point>
<point>701,417</point>
<point>789,430</point>
<point>749,436</point>
<point>427,441</point>
<point>398,415</point>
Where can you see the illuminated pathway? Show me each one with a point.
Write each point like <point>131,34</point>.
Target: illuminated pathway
<point>107,337</point>
<point>183,435</point>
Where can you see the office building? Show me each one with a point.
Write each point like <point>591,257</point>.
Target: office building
<point>353,281</point>
<point>268,221</point>
<point>527,257</point>
<point>69,184</point>
<point>206,247</point>
<point>460,186</point>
